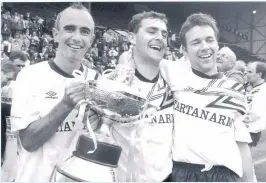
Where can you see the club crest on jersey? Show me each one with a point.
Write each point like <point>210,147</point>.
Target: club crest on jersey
<point>51,95</point>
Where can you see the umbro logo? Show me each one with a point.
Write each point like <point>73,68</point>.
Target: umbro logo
<point>51,94</point>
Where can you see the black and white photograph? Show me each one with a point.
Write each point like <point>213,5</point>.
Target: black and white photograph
<point>132,91</point>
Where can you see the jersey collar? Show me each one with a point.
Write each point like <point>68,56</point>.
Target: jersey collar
<point>142,78</point>
<point>202,75</point>
<point>60,71</point>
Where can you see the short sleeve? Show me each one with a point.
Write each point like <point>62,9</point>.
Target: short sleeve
<point>25,105</point>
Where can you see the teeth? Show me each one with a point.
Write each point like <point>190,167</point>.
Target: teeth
<point>74,46</point>
<point>205,56</point>
<point>156,47</point>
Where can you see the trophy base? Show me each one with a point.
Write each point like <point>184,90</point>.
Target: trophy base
<point>106,154</point>
<point>91,167</point>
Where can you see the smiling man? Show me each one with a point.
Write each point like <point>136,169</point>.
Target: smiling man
<point>209,110</point>
<point>146,144</point>
<point>44,109</point>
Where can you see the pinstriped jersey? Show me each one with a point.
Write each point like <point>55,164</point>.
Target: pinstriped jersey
<point>146,144</point>
<point>209,111</point>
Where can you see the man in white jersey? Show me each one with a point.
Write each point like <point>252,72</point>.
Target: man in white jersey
<point>256,120</point>
<point>210,141</point>
<point>146,143</point>
<point>44,109</point>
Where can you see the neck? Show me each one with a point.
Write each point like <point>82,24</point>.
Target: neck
<point>209,73</point>
<point>260,81</point>
<point>147,68</point>
<point>66,65</point>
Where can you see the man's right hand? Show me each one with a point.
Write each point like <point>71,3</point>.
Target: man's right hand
<point>74,92</point>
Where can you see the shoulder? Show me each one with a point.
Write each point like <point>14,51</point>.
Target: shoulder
<point>34,70</point>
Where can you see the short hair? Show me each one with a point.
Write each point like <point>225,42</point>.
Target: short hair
<point>18,54</point>
<point>136,20</point>
<point>77,6</point>
<point>261,68</point>
<point>197,19</point>
<point>240,66</point>
<point>230,53</point>
<point>7,67</point>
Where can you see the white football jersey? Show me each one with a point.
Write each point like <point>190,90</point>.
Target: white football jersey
<point>256,99</point>
<point>146,144</point>
<point>39,88</point>
<point>209,111</point>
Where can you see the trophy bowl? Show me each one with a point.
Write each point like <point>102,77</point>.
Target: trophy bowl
<point>118,101</point>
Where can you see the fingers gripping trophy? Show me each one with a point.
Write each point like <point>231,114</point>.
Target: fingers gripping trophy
<point>96,154</point>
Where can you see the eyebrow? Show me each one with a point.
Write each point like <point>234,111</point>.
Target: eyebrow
<point>74,26</point>
<point>155,28</point>
<point>197,39</point>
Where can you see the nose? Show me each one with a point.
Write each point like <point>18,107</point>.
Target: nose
<point>76,36</point>
<point>204,45</point>
<point>159,35</point>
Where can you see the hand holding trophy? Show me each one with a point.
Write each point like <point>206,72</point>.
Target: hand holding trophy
<point>113,98</point>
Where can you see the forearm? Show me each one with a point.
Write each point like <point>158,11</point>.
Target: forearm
<point>41,130</point>
<point>247,164</point>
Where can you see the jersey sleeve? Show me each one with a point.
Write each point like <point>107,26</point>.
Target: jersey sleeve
<point>257,113</point>
<point>241,131</point>
<point>25,104</point>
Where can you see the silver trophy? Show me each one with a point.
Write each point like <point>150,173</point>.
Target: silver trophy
<point>114,99</point>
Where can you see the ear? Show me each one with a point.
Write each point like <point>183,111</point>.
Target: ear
<point>184,50</point>
<point>55,34</point>
<point>132,38</point>
<point>92,39</point>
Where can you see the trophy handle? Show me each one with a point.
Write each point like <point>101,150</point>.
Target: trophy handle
<point>92,134</point>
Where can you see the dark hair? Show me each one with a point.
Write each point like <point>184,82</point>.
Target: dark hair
<point>136,20</point>
<point>7,67</point>
<point>18,54</point>
<point>261,68</point>
<point>77,6</point>
<point>197,19</point>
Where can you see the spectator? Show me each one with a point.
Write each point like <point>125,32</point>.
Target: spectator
<point>7,75</point>
<point>100,47</point>
<point>16,43</point>
<point>105,60</point>
<point>25,50</point>
<point>124,47</point>
<point>8,71</point>
<point>6,46</point>
<point>20,24</point>
<point>45,57</point>
<point>35,58</point>
<point>95,50</point>
<point>112,52</point>
<point>34,26</point>
<point>226,61</point>
<point>26,41</point>
<point>5,32</point>
<point>51,51</point>
<point>240,66</point>
<point>256,120</point>
<point>6,18</point>
<point>13,25</point>
<point>19,59</point>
